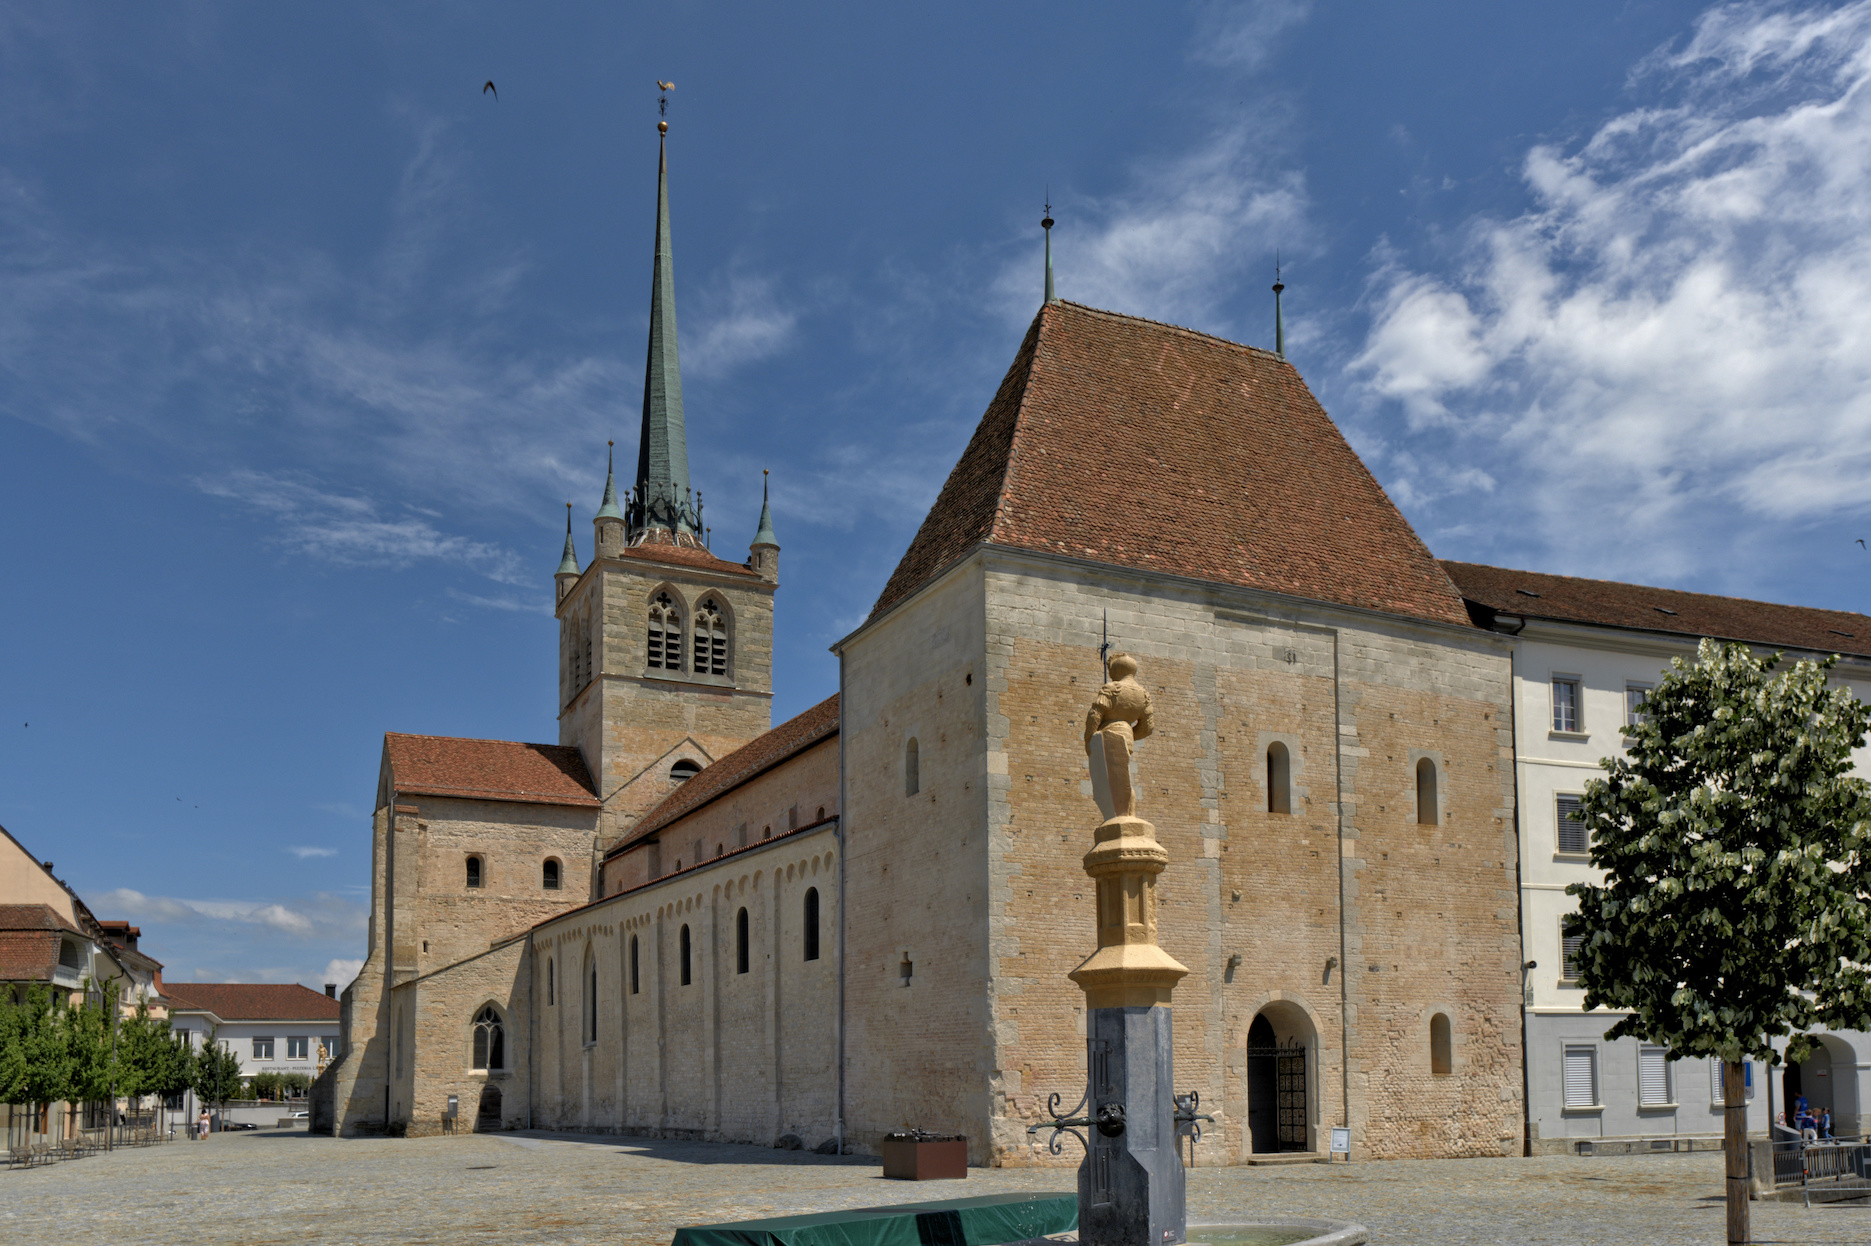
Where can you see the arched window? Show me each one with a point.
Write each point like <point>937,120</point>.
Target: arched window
<point>591,998</point>
<point>740,942</point>
<point>636,981</point>
<point>588,666</point>
<point>821,813</point>
<point>912,768</point>
<point>812,923</point>
<point>68,955</point>
<point>711,638</point>
<point>684,941</point>
<point>665,634</point>
<point>1426,805</point>
<point>685,770</point>
<point>490,1040</point>
<point>1441,1045</point>
<point>1279,779</point>
<point>550,875</point>
<point>474,871</point>
<point>766,832</point>
<point>549,982</point>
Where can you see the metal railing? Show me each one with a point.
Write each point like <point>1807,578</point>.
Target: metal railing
<point>1827,1169</point>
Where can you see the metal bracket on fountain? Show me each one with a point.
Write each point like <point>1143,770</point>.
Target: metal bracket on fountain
<point>1068,1124</point>
<point>1187,1116</point>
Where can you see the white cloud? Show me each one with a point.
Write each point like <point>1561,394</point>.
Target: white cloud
<point>1679,330</point>
<point>341,971</point>
<point>1243,35</point>
<point>319,916</point>
<point>742,324</point>
<point>303,852</point>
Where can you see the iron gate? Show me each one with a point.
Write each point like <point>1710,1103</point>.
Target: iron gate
<point>1289,1065</point>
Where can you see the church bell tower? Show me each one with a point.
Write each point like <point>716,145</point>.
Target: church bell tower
<point>665,650</point>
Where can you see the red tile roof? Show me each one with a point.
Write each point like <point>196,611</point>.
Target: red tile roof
<point>539,774</point>
<point>251,1001</point>
<point>1143,445</point>
<point>687,556</point>
<point>29,939</point>
<point>756,757</point>
<point>1606,603</point>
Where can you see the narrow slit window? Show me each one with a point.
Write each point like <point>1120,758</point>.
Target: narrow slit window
<point>1279,779</point>
<point>549,876</point>
<point>740,942</point>
<point>912,768</point>
<point>683,942</point>
<point>591,999</point>
<point>551,983</point>
<point>636,980</point>
<point>1427,811</point>
<point>812,923</point>
<point>1441,1045</point>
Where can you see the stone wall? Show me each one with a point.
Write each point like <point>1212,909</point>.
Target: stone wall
<point>433,1048</point>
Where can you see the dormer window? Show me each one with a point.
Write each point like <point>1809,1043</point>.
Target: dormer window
<point>711,638</point>
<point>684,770</point>
<point>665,634</point>
<point>68,955</point>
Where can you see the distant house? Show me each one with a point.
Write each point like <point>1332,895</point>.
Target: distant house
<point>271,1028</point>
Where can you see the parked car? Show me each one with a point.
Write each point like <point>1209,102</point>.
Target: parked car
<point>301,1116</point>
<point>233,1125</point>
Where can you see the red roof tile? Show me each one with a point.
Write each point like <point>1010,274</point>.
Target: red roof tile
<point>540,774</point>
<point>1606,603</point>
<point>756,757</point>
<point>251,1001</point>
<point>35,917</point>
<point>687,556</point>
<point>1143,445</point>
<point>27,955</point>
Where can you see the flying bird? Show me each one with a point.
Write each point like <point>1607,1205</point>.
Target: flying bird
<point>667,86</point>
<point>489,86</point>
<point>1861,544</point>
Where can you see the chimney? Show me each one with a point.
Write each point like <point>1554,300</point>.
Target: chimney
<point>331,990</point>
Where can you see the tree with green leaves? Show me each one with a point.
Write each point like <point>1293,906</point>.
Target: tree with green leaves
<point>1732,837</point>
<point>216,1074</point>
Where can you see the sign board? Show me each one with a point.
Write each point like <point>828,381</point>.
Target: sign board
<point>1341,1141</point>
<point>454,1106</point>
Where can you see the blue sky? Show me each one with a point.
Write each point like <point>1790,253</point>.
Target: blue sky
<point>305,341</point>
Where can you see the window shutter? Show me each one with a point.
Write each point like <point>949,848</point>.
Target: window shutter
<point>1715,1082</point>
<point>1569,946</point>
<point>1571,827</point>
<point>1580,1090</point>
<point>1653,1076</point>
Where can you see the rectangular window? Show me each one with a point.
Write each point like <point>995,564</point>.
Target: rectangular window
<point>263,1049</point>
<point>1715,1080</point>
<point>331,1046</point>
<point>1565,703</point>
<point>1572,837</point>
<point>1581,1072</point>
<point>1634,695</point>
<point>1569,954</point>
<point>296,1048</point>
<point>1653,1076</point>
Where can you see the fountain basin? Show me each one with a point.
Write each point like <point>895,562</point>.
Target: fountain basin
<point>1286,1231</point>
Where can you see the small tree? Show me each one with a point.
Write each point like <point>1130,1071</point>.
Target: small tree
<point>216,1072</point>
<point>45,1044</point>
<point>1732,837</point>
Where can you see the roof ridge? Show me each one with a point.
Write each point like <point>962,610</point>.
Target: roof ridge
<point>475,739</point>
<point>1185,330</point>
<point>1655,588</point>
<point>1004,495</point>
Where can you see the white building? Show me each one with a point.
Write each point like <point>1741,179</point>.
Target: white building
<point>1586,652</point>
<point>271,1028</point>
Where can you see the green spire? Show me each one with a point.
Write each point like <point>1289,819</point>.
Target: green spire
<point>1046,224</point>
<point>763,535</point>
<point>608,508</point>
<point>663,459</point>
<point>569,563</point>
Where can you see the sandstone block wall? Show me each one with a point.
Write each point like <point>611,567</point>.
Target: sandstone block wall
<point>432,1049</point>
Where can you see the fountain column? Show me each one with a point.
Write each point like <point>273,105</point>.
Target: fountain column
<point>1130,1186</point>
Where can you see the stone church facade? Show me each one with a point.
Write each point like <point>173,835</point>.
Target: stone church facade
<point>679,921</point>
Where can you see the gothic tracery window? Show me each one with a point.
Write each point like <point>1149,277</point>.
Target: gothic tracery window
<point>665,634</point>
<point>711,638</point>
<point>490,1040</point>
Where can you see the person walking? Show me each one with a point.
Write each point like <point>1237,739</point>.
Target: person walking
<point>201,1128</point>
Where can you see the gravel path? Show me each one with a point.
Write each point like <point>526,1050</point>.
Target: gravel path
<point>293,1189</point>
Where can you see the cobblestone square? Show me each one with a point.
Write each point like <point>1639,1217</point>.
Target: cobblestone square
<point>534,1187</point>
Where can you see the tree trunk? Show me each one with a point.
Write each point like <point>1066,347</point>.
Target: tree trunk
<point>1735,1147</point>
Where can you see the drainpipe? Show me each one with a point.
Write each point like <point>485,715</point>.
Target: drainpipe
<point>1344,965</point>
<point>532,1030</point>
<point>838,837</point>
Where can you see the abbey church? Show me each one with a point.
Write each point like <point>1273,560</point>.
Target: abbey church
<point>684,920</point>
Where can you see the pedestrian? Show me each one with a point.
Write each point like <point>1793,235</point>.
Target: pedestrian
<point>1825,1122</point>
<point>201,1128</point>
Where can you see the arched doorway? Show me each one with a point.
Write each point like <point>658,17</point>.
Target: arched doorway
<point>1279,1102</point>
<point>487,1120</point>
<point>1827,1077</point>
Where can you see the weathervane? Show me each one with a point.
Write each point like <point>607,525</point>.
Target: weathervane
<point>662,105</point>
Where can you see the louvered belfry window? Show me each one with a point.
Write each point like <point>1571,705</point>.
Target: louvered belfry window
<point>1581,1066</point>
<point>665,634</point>
<point>711,639</point>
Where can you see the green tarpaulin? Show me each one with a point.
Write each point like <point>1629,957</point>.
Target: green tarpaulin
<point>984,1221</point>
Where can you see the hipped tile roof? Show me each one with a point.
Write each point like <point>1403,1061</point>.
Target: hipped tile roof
<point>1143,445</point>
<point>251,1001</point>
<point>1605,603</point>
<point>540,774</point>
<point>686,556</point>
<point>756,757</point>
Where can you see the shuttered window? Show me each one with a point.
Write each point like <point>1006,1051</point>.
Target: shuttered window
<point>1653,1076</point>
<point>1571,826</point>
<point>1715,1080</point>
<point>1581,1064</point>
<point>1569,946</point>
